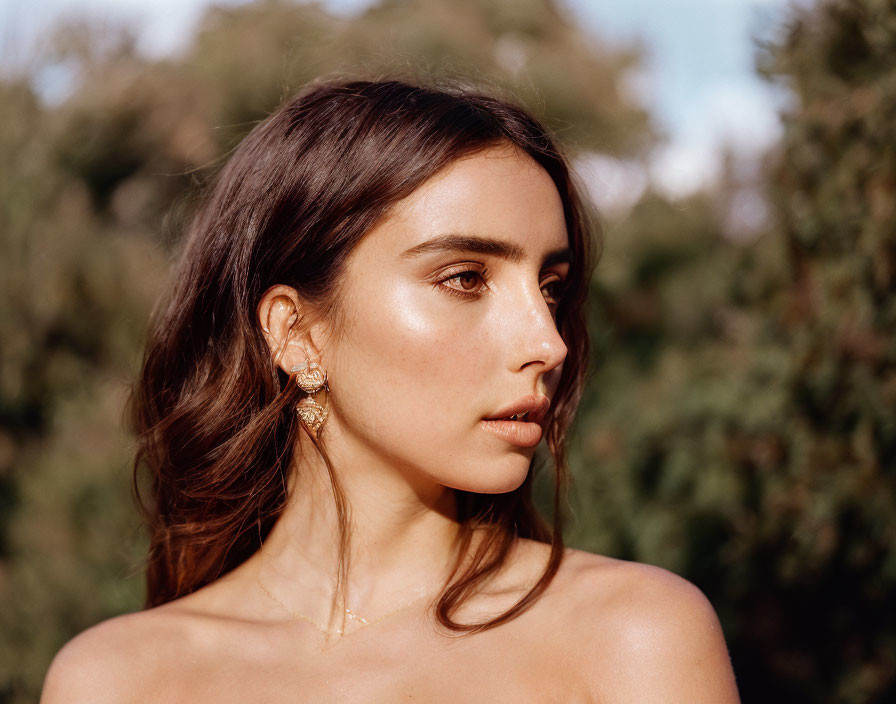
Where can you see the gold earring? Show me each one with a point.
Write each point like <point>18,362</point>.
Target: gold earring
<point>310,377</point>
<point>311,413</point>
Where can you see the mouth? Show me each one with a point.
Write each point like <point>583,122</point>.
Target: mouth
<point>520,423</point>
<point>528,409</point>
<point>521,433</point>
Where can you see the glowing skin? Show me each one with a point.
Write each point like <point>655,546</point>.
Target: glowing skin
<point>432,340</point>
<point>438,340</point>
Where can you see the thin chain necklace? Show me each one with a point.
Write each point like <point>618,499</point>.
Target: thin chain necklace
<point>354,616</point>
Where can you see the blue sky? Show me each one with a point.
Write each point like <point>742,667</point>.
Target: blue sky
<point>699,80</point>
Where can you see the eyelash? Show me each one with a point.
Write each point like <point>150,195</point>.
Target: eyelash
<point>484,275</point>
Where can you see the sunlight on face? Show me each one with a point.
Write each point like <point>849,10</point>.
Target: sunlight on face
<point>437,338</point>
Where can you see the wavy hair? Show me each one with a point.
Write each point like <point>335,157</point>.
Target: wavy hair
<point>213,415</point>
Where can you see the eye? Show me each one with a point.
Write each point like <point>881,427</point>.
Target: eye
<point>468,283</point>
<point>553,290</point>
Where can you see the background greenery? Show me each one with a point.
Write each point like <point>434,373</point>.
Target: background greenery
<point>740,428</point>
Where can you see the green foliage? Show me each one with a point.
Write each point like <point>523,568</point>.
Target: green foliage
<point>742,424</point>
<point>740,427</point>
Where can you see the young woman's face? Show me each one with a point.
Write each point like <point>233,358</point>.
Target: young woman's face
<point>450,309</point>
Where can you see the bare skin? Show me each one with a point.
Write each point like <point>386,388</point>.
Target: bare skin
<point>413,370</point>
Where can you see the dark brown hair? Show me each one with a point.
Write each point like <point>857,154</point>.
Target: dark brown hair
<point>214,417</point>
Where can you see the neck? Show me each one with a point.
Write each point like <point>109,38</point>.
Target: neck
<point>402,535</point>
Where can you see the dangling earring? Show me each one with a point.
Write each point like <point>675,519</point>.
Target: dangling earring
<point>311,380</point>
<point>311,413</point>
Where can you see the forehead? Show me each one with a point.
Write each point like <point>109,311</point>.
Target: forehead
<point>500,193</point>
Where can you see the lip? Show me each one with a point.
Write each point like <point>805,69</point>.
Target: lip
<point>537,406</point>
<point>516,432</point>
<point>525,433</point>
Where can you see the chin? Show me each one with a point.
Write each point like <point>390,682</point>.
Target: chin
<point>497,476</point>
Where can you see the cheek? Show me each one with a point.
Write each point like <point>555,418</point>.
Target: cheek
<point>418,352</point>
<point>414,375</point>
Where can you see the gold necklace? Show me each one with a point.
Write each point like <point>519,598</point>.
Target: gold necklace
<point>348,612</point>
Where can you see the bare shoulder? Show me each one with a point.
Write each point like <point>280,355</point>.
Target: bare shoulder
<point>102,664</point>
<point>123,659</point>
<point>644,634</point>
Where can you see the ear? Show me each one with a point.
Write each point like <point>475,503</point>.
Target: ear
<point>285,324</point>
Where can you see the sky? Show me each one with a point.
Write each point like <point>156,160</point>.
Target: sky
<point>699,80</point>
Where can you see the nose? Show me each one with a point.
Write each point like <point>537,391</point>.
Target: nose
<point>534,338</point>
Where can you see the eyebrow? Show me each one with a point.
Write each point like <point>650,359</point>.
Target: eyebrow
<point>484,245</point>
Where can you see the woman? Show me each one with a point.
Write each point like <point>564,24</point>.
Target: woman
<point>377,317</point>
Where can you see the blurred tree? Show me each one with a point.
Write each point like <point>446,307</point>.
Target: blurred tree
<point>74,301</point>
<point>739,428</point>
<point>742,425</point>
